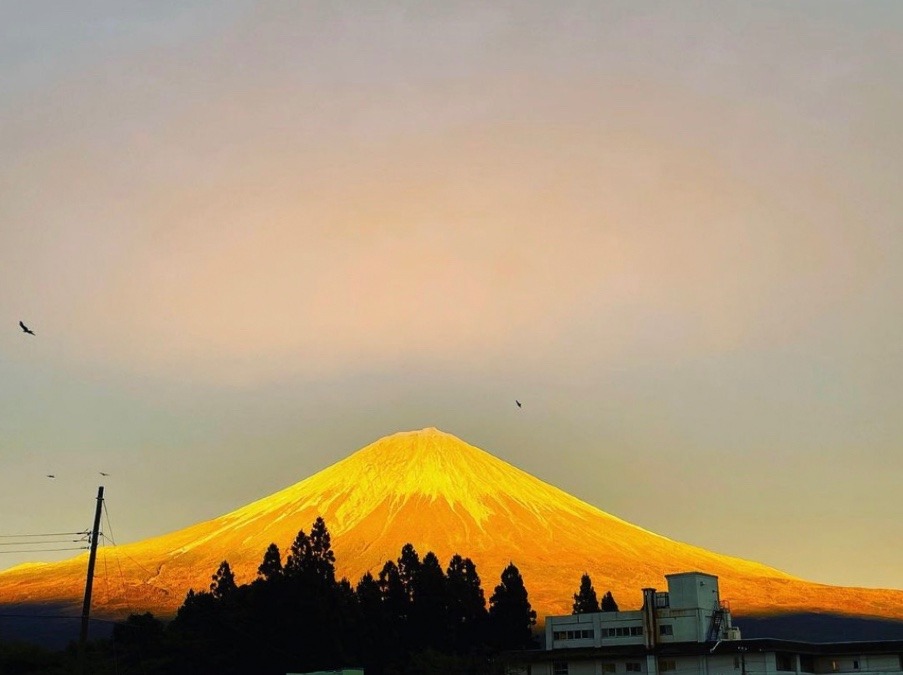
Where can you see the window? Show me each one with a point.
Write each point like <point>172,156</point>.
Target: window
<point>736,663</point>
<point>855,664</point>
<point>560,668</point>
<point>666,629</point>
<point>622,631</point>
<point>634,667</point>
<point>807,663</point>
<point>665,665</point>
<point>784,662</point>
<point>573,634</point>
<point>608,667</point>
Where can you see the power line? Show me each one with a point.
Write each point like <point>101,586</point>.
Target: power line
<point>45,534</point>
<point>47,550</point>
<point>40,543</point>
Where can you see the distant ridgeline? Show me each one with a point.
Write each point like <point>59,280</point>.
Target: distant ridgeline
<point>819,627</point>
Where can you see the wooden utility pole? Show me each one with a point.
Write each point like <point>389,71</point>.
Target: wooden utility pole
<point>89,582</point>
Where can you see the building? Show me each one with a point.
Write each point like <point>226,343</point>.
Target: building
<point>688,630</point>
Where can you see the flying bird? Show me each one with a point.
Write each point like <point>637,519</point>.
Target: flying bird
<point>50,475</point>
<point>103,474</point>
<point>519,405</point>
<point>26,328</point>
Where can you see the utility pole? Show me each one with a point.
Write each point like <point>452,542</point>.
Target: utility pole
<point>89,582</point>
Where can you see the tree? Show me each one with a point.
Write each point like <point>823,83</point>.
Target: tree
<point>322,555</point>
<point>408,568</point>
<point>585,599</point>
<point>395,596</point>
<point>510,615</point>
<point>271,567</point>
<point>223,582</point>
<point>608,603</point>
<point>312,559</point>
<point>429,605</point>
<point>466,603</point>
<point>299,554</point>
<point>140,635</point>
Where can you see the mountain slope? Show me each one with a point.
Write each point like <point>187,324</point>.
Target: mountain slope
<point>441,494</point>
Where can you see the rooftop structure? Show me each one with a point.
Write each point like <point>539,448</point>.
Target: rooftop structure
<point>688,630</point>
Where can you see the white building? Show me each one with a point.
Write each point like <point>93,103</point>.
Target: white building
<point>688,631</point>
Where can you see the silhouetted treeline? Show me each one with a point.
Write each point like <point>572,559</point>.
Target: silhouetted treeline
<point>411,617</point>
<point>585,599</point>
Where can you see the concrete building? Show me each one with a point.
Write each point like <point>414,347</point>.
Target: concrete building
<point>688,630</point>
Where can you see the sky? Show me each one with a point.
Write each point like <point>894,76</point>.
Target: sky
<point>254,237</point>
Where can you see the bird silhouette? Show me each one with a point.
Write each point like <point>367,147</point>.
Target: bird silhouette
<point>26,328</point>
<point>50,475</point>
<point>519,405</point>
<point>103,474</point>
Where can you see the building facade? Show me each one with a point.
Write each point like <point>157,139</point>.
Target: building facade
<point>688,630</point>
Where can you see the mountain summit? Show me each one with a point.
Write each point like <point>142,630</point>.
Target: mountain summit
<point>441,494</point>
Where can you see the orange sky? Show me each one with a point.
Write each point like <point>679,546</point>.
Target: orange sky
<point>253,238</point>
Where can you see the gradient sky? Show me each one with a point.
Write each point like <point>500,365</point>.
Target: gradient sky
<point>253,237</point>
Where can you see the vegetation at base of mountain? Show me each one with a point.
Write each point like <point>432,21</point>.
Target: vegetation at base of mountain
<point>585,599</point>
<point>414,617</point>
<point>510,616</point>
<point>608,603</point>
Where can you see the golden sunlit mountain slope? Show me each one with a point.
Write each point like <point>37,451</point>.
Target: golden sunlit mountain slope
<point>430,488</point>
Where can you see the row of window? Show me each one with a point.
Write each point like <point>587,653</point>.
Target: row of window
<point>561,667</point>
<point>784,662</point>
<point>573,634</point>
<point>622,631</point>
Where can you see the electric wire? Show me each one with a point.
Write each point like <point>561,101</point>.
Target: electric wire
<point>40,543</point>
<point>43,534</point>
<point>47,550</point>
<point>147,571</point>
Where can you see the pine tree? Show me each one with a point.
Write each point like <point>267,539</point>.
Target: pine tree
<point>585,600</point>
<point>428,604</point>
<point>395,596</point>
<point>510,614</point>
<point>408,568</point>
<point>608,603</point>
<point>223,585</point>
<point>322,555</point>
<point>466,603</point>
<point>271,567</point>
<point>300,552</point>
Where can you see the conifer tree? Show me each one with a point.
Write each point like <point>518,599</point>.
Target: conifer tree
<point>395,596</point>
<point>322,555</point>
<point>466,603</point>
<point>585,599</point>
<point>408,568</point>
<point>300,552</point>
<point>223,582</point>
<point>429,605</point>
<point>271,567</point>
<point>608,603</point>
<point>510,615</point>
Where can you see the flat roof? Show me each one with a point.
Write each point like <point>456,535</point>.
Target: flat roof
<point>725,647</point>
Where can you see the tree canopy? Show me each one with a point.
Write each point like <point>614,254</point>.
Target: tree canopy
<point>585,599</point>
